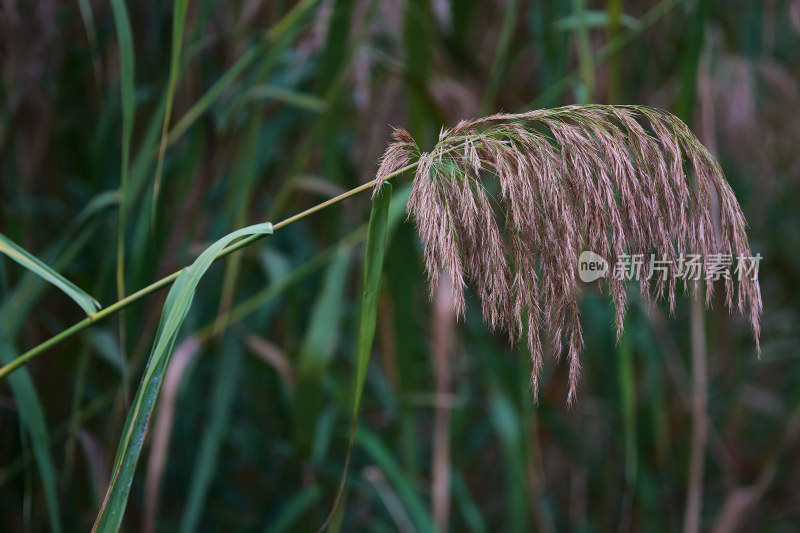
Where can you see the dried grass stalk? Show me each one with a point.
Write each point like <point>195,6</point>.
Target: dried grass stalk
<point>611,179</point>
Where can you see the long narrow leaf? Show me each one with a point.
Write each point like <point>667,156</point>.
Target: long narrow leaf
<point>175,310</point>
<point>275,34</point>
<point>373,265</point>
<point>293,510</point>
<point>32,417</point>
<point>27,260</point>
<point>406,491</point>
<point>220,407</point>
<point>127,66</point>
<point>319,346</point>
<point>178,22</point>
<point>127,76</point>
<point>322,335</point>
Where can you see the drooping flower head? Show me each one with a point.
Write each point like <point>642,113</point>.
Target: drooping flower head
<point>508,202</point>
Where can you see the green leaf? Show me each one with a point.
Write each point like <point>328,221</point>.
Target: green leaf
<point>276,33</point>
<point>294,509</point>
<point>220,407</point>
<point>506,419</point>
<point>373,265</point>
<point>319,345</point>
<point>106,346</point>
<point>307,102</point>
<point>17,303</point>
<point>405,489</point>
<point>94,206</point>
<point>127,69</point>
<point>178,22</point>
<point>417,38</point>
<point>586,63</point>
<point>501,56</point>
<point>175,310</point>
<point>32,418</point>
<point>592,19</point>
<point>322,335</point>
<point>21,256</point>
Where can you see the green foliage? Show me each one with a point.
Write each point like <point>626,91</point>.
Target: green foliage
<point>11,249</point>
<point>33,420</point>
<point>253,111</point>
<point>175,310</point>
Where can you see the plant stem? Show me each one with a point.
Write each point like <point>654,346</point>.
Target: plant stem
<point>694,489</point>
<point>163,282</point>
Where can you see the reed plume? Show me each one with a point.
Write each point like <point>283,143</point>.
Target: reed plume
<point>616,180</point>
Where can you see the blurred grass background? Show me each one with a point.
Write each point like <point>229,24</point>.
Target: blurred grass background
<point>206,116</point>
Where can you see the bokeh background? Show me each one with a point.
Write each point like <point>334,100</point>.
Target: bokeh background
<point>280,105</point>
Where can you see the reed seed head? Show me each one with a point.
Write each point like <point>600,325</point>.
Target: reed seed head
<point>509,201</point>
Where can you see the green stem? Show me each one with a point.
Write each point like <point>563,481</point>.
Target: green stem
<point>585,56</point>
<point>627,390</point>
<point>163,282</point>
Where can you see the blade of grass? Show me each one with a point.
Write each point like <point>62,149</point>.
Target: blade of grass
<point>220,409</point>
<point>536,476</point>
<point>178,22</point>
<point>256,301</point>
<point>91,33</point>
<point>274,34</point>
<point>596,19</point>
<point>585,56</point>
<point>321,338</point>
<point>390,500</point>
<point>316,351</point>
<point>79,387</point>
<point>307,102</point>
<point>175,310</point>
<point>270,354</point>
<point>500,61</point>
<point>373,266</point>
<point>470,513</point>
<point>176,372</point>
<point>383,458</point>
<point>402,263</point>
<point>322,127</point>
<point>627,385</point>
<point>38,267</point>
<point>127,80</point>
<point>417,43</point>
<point>97,204</point>
<point>557,88</point>
<point>335,60</point>
<point>127,66</point>
<point>61,432</point>
<point>552,46</point>
<point>294,509</point>
<point>615,17</point>
<point>32,419</point>
<point>96,468</point>
<point>245,175</point>
<point>167,280</point>
<point>18,303</point>
<point>506,420</point>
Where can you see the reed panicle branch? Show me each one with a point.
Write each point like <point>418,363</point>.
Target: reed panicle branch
<point>616,180</point>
